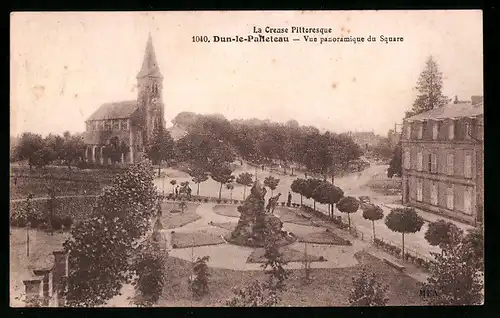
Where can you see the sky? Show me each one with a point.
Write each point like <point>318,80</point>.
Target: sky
<point>64,65</point>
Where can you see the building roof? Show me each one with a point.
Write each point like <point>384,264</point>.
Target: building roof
<point>149,64</point>
<point>450,111</point>
<point>114,110</point>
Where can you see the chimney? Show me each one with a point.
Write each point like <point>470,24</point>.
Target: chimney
<point>476,99</point>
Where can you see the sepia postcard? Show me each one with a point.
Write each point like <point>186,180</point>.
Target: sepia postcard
<point>246,159</point>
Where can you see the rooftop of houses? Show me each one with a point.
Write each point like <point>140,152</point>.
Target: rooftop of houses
<point>457,109</point>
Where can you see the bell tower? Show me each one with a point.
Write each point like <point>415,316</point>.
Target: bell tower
<point>149,97</point>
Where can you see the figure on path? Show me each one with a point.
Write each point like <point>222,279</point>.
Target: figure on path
<point>271,204</point>
<point>177,191</point>
<point>289,200</point>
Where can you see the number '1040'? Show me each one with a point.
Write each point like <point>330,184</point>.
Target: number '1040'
<point>200,38</point>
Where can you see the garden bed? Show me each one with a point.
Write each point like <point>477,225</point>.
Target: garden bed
<point>289,255</point>
<point>174,220</point>
<point>198,238</point>
<point>325,237</point>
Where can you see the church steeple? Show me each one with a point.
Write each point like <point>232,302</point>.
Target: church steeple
<point>150,66</point>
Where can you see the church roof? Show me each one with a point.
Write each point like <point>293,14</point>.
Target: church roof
<point>116,110</point>
<point>149,64</point>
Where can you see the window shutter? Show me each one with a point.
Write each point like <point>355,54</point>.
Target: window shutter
<point>449,198</point>
<point>434,196</point>
<point>468,166</point>
<point>433,163</point>
<point>468,201</point>
<point>450,164</point>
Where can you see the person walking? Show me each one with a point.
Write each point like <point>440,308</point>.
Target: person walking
<point>289,201</point>
<point>177,191</point>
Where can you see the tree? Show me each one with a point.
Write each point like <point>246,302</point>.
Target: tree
<point>151,273</point>
<point>246,180</point>
<point>429,87</point>
<point>395,166</point>
<point>456,279</point>
<point>182,206</point>
<point>173,183</point>
<point>368,291</point>
<point>161,146</point>
<point>348,205</point>
<point>373,213</point>
<point>223,175</point>
<point>309,186</point>
<point>404,220</point>
<point>322,193</point>
<point>73,149</point>
<point>334,196</point>
<point>199,281</point>
<point>274,259</point>
<point>100,247</point>
<point>199,175</point>
<point>298,186</point>
<point>474,243</point>
<point>272,183</point>
<point>441,233</point>
<point>43,157</point>
<point>230,187</point>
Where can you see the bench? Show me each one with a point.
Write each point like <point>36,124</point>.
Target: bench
<point>395,265</point>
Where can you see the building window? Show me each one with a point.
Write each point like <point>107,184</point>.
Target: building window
<point>408,131</point>
<point>434,193</point>
<point>125,124</point>
<point>468,166</point>
<point>102,125</point>
<point>420,160</point>
<point>433,163</point>
<point>407,160</point>
<point>449,198</point>
<point>107,125</point>
<point>449,164</point>
<point>419,190</point>
<point>95,125</point>
<point>468,200</point>
<point>435,130</point>
<point>116,124</point>
<point>421,130</point>
<point>467,131</point>
<point>89,126</point>
<point>451,130</point>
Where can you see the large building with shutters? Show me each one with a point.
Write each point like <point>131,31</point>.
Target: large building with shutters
<point>443,165</point>
<point>127,125</point>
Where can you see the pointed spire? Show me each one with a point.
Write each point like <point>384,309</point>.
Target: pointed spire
<point>149,64</point>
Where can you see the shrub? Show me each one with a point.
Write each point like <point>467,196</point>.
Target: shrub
<point>218,201</point>
<point>198,282</point>
<point>205,200</point>
<point>56,222</point>
<point>225,201</point>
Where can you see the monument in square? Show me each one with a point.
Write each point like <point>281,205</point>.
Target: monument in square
<point>256,222</point>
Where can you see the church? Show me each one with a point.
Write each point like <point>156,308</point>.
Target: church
<point>127,125</point>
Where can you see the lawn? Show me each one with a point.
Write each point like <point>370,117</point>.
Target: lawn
<point>173,220</point>
<point>289,216</point>
<point>325,237</point>
<point>41,247</point>
<point>330,287</point>
<point>226,225</point>
<point>289,255</point>
<point>199,238</point>
<point>226,210</point>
